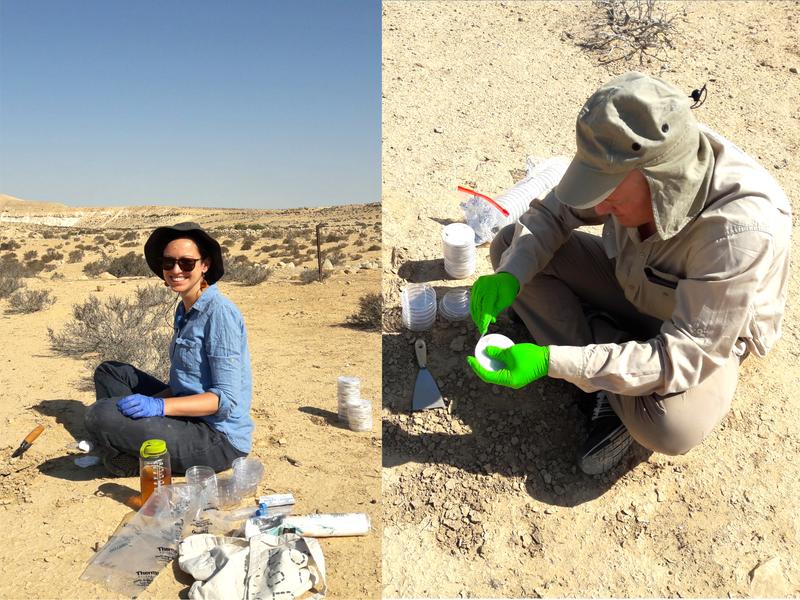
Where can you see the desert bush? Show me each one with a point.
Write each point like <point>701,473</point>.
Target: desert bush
<point>130,236</point>
<point>356,256</point>
<point>241,270</point>
<point>9,245</point>
<point>312,275</point>
<point>58,275</point>
<point>99,239</point>
<point>247,243</point>
<point>370,309</point>
<point>240,226</point>
<point>269,248</point>
<point>336,258</point>
<point>359,241</point>
<point>113,235</point>
<point>374,247</point>
<point>333,237</point>
<point>9,256</point>
<point>11,267</point>
<point>630,28</point>
<point>30,255</point>
<point>128,265</point>
<point>66,235</point>
<point>29,301</point>
<point>9,285</point>
<point>48,234</point>
<point>75,256</point>
<point>51,255</point>
<point>134,331</point>
<point>50,267</point>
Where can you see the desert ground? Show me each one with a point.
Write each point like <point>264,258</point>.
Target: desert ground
<point>55,514</point>
<point>483,498</point>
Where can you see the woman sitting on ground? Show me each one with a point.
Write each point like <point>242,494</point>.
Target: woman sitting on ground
<point>203,414</point>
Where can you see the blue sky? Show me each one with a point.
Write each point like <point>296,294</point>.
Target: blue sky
<point>264,104</point>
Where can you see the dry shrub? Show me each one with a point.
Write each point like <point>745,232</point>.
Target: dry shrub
<point>368,317</point>
<point>9,245</point>
<point>336,258</point>
<point>333,237</point>
<point>241,270</point>
<point>374,247</point>
<point>312,275</point>
<point>11,267</point>
<point>51,255</point>
<point>630,28</point>
<point>130,236</point>
<point>134,331</point>
<point>75,256</point>
<point>128,265</point>
<point>247,243</point>
<point>29,301</point>
<point>30,255</point>
<point>9,285</point>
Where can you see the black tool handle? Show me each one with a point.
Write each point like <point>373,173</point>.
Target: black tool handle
<point>422,354</point>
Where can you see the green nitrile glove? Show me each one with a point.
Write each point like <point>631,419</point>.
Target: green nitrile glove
<point>491,295</point>
<point>525,363</point>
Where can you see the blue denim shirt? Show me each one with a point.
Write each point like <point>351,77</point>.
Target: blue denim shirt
<point>208,353</point>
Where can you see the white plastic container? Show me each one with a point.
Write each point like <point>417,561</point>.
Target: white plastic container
<point>458,248</point>
<point>493,339</point>
<point>418,301</point>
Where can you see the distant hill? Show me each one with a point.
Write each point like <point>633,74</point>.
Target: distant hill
<point>16,210</point>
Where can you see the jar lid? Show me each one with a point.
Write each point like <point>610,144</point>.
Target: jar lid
<point>152,448</point>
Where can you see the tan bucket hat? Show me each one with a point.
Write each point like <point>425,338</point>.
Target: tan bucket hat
<point>632,122</point>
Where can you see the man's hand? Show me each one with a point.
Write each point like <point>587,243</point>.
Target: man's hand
<point>525,363</point>
<point>490,295</point>
<point>137,406</point>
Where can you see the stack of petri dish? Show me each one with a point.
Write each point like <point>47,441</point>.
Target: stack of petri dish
<point>454,305</point>
<point>348,389</point>
<point>359,415</point>
<point>458,246</point>
<point>419,306</point>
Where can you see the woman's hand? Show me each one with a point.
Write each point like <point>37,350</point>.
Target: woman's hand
<point>137,406</point>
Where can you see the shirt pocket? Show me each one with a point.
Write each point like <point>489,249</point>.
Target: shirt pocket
<point>186,355</point>
<point>658,293</point>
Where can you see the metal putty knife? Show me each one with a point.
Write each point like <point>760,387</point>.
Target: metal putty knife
<point>426,392</point>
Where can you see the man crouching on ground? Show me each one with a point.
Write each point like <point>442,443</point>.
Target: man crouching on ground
<point>688,278</point>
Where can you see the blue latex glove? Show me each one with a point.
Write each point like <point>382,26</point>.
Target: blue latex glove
<point>137,406</point>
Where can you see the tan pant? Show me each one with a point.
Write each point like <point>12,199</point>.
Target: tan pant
<point>580,281</point>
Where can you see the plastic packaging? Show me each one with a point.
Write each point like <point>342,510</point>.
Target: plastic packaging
<point>140,548</point>
<point>222,522</point>
<point>359,415</point>
<point>542,177</point>
<point>348,389</point>
<point>418,302</point>
<point>276,500</point>
<point>458,248</point>
<point>454,305</point>
<point>487,216</point>
<point>155,470</point>
<point>328,525</point>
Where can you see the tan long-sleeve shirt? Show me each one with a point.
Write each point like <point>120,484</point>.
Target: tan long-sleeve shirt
<point>719,284</point>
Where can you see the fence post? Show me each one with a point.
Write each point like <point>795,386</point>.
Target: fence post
<point>319,252</point>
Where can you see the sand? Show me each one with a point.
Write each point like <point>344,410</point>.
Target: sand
<point>55,514</point>
<point>483,499</point>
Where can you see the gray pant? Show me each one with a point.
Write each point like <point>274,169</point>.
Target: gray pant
<point>561,306</point>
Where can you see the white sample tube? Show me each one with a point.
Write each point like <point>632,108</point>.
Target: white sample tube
<point>329,525</point>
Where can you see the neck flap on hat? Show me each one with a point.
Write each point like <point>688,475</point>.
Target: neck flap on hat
<point>679,187</point>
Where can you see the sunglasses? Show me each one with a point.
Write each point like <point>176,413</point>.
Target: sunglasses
<point>186,264</point>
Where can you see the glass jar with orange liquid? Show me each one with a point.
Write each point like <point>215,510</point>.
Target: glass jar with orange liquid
<point>154,467</point>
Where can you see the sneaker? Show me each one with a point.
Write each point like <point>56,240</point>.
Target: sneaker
<point>121,465</point>
<point>608,439</point>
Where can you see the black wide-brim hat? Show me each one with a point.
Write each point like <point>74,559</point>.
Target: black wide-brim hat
<point>158,240</point>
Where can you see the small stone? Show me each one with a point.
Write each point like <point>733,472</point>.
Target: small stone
<point>282,441</point>
<point>450,484</point>
<point>457,345</point>
<point>793,70</point>
<point>768,581</point>
<point>438,130</point>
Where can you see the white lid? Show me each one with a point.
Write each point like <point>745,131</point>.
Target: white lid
<point>493,339</point>
<point>458,234</point>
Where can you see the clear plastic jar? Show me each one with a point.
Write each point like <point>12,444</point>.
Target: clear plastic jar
<point>154,467</point>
